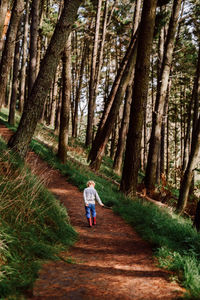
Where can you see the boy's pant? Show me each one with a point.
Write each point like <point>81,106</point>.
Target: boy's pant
<point>90,208</point>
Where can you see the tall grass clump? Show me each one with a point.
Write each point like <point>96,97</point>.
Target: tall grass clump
<point>33,225</point>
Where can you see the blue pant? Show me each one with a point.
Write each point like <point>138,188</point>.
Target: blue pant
<point>90,208</point>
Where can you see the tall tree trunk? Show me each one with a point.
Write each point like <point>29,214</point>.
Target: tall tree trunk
<point>58,110</point>
<point>162,143</point>
<point>117,165</point>
<point>9,49</point>
<point>150,178</point>
<point>3,12</point>
<point>66,99</point>
<point>33,44</point>
<point>136,17</point>
<point>33,107</point>
<point>78,92</point>
<point>140,92</point>
<point>11,117</point>
<point>188,175</point>
<point>54,99</point>
<point>101,139</point>
<point>195,96</point>
<point>24,59</point>
<point>113,141</point>
<point>91,103</point>
<point>101,48</point>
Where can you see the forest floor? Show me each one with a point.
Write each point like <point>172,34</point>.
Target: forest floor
<point>109,261</point>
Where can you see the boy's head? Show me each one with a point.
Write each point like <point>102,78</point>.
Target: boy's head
<point>91,183</point>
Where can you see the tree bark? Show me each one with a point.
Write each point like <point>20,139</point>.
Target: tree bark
<point>188,175</point>
<point>8,52</point>
<point>3,12</point>
<point>91,103</point>
<point>33,107</point>
<point>24,59</point>
<point>13,100</point>
<point>54,99</point>
<point>117,165</point>
<point>150,178</point>
<point>140,91</point>
<point>33,44</point>
<point>66,100</point>
<point>78,93</point>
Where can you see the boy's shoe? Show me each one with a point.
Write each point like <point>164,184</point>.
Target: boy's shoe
<point>90,222</point>
<point>94,221</point>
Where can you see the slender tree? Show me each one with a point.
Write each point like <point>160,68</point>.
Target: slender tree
<point>65,106</point>
<point>3,12</point>
<point>92,83</point>
<point>188,174</point>
<point>33,43</point>
<point>9,49</point>
<point>140,92</point>
<point>24,58</point>
<point>15,83</point>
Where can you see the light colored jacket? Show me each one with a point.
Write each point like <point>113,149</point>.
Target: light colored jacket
<point>90,195</point>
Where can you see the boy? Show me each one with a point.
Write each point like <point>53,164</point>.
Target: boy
<point>90,195</point>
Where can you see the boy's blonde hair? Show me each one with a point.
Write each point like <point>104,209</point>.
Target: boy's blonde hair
<point>90,182</point>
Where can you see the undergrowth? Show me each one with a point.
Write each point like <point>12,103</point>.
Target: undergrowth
<point>33,226</point>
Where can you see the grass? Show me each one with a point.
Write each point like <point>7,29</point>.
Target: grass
<point>33,226</point>
<point>174,240</point>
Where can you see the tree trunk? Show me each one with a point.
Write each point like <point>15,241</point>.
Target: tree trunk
<point>24,59</point>
<point>33,44</point>
<point>188,175</point>
<point>9,49</point>
<point>13,100</point>
<point>3,12</point>
<point>78,93</point>
<point>113,141</point>
<point>91,103</point>
<point>100,54</point>
<point>150,178</point>
<point>54,99</point>
<point>136,17</point>
<point>140,92</point>
<point>101,139</point>
<point>58,110</point>
<point>117,165</point>
<point>33,107</point>
<point>66,100</point>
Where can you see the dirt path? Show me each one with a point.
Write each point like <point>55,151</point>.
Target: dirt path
<point>111,260</point>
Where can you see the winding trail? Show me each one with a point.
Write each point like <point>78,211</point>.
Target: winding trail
<point>110,261</point>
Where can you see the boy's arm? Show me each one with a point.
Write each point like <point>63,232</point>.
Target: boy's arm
<point>85,198</point>
<point>98,199</point>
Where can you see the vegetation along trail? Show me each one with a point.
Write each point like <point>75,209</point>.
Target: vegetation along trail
<point>108,261</point>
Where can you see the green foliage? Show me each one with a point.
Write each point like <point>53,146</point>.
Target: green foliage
<point>33,225</point>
